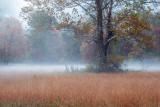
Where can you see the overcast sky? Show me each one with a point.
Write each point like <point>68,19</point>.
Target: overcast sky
<point>11,8</point>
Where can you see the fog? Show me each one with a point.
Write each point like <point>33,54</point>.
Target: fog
<point>142,65</point>
<point>13,70</point>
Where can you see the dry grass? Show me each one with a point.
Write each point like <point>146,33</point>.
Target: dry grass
<point>122,90</point>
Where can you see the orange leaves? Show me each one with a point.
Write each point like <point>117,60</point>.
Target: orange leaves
<point>80,28</point>
<point>88,28</point>
<point>134,25</point>
<point>74,11</point>
<point>60,2</point>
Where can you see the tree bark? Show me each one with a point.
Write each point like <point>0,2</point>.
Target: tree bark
<point>109,28</point>
<point>101,57</point>
<point>102,47</point>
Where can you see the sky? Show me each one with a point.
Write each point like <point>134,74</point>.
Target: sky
<point>12,8</point>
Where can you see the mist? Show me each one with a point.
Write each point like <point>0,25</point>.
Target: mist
<point>142,65</point>
<point>16,70</point>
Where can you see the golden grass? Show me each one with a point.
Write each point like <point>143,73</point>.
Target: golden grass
<point>122,89</point>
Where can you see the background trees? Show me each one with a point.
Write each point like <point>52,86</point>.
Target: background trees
<point>48,44</point>
<point>13,44</point>
<point>41,36</point>
<point>71,47</point>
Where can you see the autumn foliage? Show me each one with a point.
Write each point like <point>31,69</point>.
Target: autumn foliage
<point>13,44</point>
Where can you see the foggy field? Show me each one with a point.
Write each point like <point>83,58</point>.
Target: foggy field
<point>135,89</point>
<point>31,69</point>
<point>145,65</point>
<point>10,70</point>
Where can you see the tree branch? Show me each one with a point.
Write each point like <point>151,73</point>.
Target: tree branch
<point>85,10</point>
<point>109,40</point>
<point>90,5</point>
<point>106,5</point>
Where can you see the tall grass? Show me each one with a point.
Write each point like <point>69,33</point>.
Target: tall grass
<point>118,90</point>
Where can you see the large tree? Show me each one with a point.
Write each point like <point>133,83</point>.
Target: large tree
<point>101,21</point>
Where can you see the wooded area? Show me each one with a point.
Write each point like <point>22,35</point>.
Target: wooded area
<point>102,33</point>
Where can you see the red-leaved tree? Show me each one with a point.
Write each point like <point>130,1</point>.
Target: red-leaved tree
<point>13,44</point>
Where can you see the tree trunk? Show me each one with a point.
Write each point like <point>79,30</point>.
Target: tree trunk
<point>109,28</point>
<point>102,46</point>
<point>101,57</point>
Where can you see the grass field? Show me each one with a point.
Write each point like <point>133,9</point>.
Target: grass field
<point>136,89</point>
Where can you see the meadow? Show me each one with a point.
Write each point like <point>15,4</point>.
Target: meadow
<point>134,89</point>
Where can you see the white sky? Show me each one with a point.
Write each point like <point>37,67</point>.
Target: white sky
<point>12,8</point>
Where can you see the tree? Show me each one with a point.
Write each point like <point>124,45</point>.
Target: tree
<point>41,25</point>
<point>155,23</point>
<point>71,47</point>
<point>13,45</point>
<point>54,45</point>
<point>40,21</point>
<point>109,22</point>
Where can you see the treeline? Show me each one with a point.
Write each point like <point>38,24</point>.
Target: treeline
<point>42,42</point>
<point>35,45</point>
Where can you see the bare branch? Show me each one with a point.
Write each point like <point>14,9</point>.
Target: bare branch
<point>86,10</point>
<point>90,4</point>
<point>109,40</point>
<point>106,5</point>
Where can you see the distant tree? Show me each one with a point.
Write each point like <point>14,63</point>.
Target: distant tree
<point>54,46</point>
<point>155,19</point>
<point>41,25</point>
<point>13,45</point>
<point>71,47</point>
<point>88,51</point>
<point>40,21</point>
<point>155,23</point>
